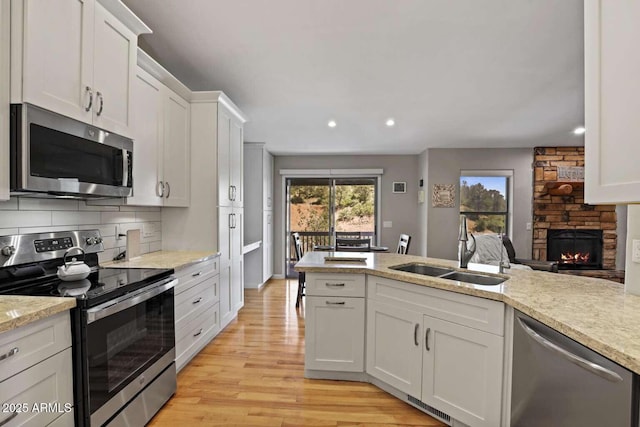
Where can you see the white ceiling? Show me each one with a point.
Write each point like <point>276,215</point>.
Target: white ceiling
<point>452,73</point>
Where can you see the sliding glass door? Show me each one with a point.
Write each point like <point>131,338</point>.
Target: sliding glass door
<point>321,208</point>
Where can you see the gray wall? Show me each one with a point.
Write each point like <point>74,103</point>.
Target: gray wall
<point>401,209</point>
<point>423,214</point>
<point>444,168</point>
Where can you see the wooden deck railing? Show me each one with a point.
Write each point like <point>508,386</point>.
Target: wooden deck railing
<point>311,238</point>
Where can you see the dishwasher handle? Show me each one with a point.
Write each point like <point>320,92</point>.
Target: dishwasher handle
<point>583,363</point>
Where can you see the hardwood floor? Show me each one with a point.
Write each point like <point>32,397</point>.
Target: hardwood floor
<point>251,374</point>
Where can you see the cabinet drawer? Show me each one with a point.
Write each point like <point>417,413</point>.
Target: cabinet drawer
<point>204,293</point>
<point>346,285</point>
<point>189,276</point>
<point>198,331</point>
<point>29,344</point>
<point>48,382</point>
<point>475,312</point>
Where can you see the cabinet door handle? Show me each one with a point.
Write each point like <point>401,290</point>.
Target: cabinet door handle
<point>230,220</point>
<point>198,333</point>
<point>231,192</point>
<point>99,95</point>
<point>9,418</point>
<point>10,353</point>
<point>160,189</point>
<point>415,335</point>
<point>426,339</point>
<point>196,274</point>
<point>88,107</point>
<point>334,285</point>
<point>335,302</point>
<point>197,301</point>
<point>168,188</point>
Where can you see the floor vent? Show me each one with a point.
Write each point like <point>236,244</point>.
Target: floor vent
<point>430,409</point>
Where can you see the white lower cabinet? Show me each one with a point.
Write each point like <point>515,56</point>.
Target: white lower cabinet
<point>394,351</point>
<point>462,372</point>
<point>36,386</point>
<point>441,350</point>
<point>334,322</point>
<point>334,334</point>
<point>197,308</point>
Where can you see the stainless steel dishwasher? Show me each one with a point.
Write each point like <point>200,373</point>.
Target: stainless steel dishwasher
<point>559,382</point>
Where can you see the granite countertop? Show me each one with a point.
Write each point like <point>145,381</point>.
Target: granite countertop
<point>164,259</point>
<point>595,312</point>
<point>16,311</point>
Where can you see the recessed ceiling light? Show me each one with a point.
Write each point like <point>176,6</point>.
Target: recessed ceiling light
<point>332,123</point>
<point>390,122</point>
<point>580,130</point>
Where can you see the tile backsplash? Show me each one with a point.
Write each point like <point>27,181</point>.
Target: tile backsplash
<point>23,215</point>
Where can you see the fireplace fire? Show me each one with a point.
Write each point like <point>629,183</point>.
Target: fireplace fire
<point>577,258</point>
<point>575,249</point>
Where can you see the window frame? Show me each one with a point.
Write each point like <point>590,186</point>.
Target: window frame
<point>506,173</point>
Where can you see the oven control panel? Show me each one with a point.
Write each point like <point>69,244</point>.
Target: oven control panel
<point>47,245</point>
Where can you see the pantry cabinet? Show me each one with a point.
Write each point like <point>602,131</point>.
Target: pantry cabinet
<point>230,158</point>
<point>89,55</point>
<point>612,99</point>
<point>258,206</point>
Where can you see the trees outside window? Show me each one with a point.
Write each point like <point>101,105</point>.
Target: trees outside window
<point>484,201</point>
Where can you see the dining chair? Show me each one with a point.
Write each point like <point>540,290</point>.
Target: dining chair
<point>353,245</point>
<point>403,244</point>
<point>297,242</point>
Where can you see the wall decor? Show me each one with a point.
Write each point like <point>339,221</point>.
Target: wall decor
<point>444,196</point>
<point>399,187</point>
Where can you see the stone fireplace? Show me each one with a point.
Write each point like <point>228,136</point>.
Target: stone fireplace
<point>559,213</point>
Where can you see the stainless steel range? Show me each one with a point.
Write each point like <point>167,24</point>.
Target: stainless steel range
<point>123,324</point>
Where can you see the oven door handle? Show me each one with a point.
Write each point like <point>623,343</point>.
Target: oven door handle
<point>128,301</point>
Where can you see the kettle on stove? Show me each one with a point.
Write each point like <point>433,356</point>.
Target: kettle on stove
<point>73,270</point>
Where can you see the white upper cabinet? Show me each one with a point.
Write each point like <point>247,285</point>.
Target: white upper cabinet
<point>612,101</point>
<point>147,149</point>
<point>176,157</point>
<point>230,153</point>
<point>76,58</point>
<point>161,147</point>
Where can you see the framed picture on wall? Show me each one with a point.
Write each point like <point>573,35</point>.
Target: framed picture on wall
<point>444,196</point>
<point>399,187</point>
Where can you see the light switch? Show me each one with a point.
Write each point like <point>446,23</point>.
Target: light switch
<point>635,252</point>
<point>528,226</point>
<point>387,224</point>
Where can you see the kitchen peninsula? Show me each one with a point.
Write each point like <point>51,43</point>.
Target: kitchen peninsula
<point>470,327</point>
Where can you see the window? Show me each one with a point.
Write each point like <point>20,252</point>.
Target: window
<point>485,200</point>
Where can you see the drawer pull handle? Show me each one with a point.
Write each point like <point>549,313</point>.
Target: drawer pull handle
<point>335,302</point>
<point>9,418</point>
<point>198,333</point>
<point>415,335</point>
<point>197,301</point>
<point>10,353</point>
<point>426,339</point>
<point>334,285</point>
<point>196,274</point>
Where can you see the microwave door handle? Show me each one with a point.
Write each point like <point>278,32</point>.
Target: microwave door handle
<point>125,168</point>
<point>574,358</point>
<point>109,308</point>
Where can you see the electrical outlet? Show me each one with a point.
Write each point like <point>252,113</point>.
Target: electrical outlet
<point>528,226</point>
<point>387,224</point>
<point>635,251</point>
<point>118,236</point>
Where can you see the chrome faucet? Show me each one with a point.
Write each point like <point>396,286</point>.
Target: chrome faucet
<point>465,253</point>
<point>502,265</point>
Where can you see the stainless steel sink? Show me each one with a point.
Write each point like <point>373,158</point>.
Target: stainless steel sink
<point>476,279</point>
<point>449,274</point>
<point>425,270</point>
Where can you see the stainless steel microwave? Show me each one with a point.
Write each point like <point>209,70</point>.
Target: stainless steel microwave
<point>55,155</point>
